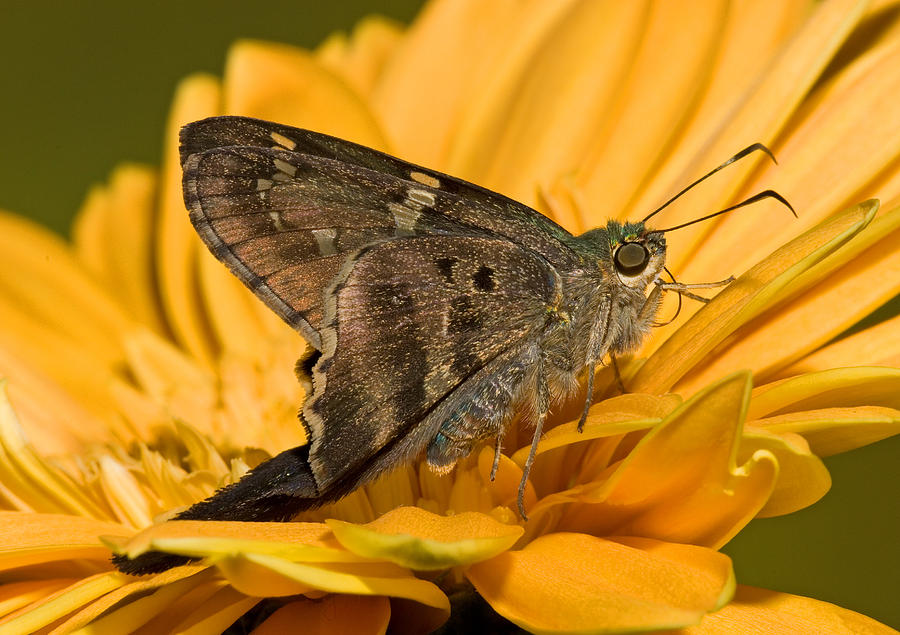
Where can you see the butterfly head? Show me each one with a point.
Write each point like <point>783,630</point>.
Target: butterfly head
<point>634,254</point>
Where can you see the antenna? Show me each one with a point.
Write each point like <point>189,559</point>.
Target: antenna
<point>740,155</point>
<point>753,199</point>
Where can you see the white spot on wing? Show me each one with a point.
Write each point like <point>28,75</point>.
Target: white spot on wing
<point>425,179</point>
<point>283,141</point>
<point>421,197</point>
<point>279,222</point>
<point>325,241</point>
<point>284,166</point>
<point>404,218</point>
<point>263,184</point>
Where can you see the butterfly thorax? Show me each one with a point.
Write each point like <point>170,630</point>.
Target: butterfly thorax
<point>605,300</point>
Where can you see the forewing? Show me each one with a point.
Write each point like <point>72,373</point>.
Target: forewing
<point>408,322</point>
<point>284,222</point>
<point>486,210</point>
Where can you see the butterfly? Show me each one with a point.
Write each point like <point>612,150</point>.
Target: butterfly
<point>434,309</point>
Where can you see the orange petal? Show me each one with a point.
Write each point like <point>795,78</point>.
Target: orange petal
<point>802,477</point>
<point>365,615</point>
<point>877,345</point>
<point>39,274</point>
<point>153,594</point>
<point>27,538</point>
<point>422,100</point>
<point>196,97</point>
<point>59,391</point>
<point>172,377</point>
<point>235,314</point>
<point>15,595</point>
<point>112,235</point>
<point>760,115</point>
<point>834,430</point>
<point>744,299</point>
<point>36,616</point>
<point>361,59</point>
<point>420,540</point>
<point>751,38</point>
<point>504,489</point>
<point>554,93</point>
<point>40,484</point>
<point>762,611</point>
<point>834,388</point>
<point>353,579</point>
<point>841,145</point>
<point>300,541</point>
<point>286,84</point>
<point>673,57</point>
<point>682,481</point>
<point>574,583</point>
<point>214,615</point>
<point>800,324</point>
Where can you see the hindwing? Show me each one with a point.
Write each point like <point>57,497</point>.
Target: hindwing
<point>407,323</point>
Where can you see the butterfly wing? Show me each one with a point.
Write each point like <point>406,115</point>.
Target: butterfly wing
<point>485,209</point>
<point>284,222</point>
<point>409,322</point>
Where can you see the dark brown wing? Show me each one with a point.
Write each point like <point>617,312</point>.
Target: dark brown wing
<point>408,322</point>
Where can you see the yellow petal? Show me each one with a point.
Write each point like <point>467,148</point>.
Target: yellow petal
<point>358,614</point>
<point>334,579</point>
<point>744,299</point>
<point>575,583</point>
<point>834,388</point>
<point>311,542</point>
<point>163,589</point>
<point>196,97</point>
<point>417,539</point>
<point>802,477</point>
<point>673,59</point>
<point>800,324</point>
<point>27,539</point>
<point>683,482</point>
<point>112,235</point>
<point>421,99</point>
<point>759,116</point>
<point>39,274</point>
<point>360,60</point>
<point>844,141</point>
<point>47,611</point>
<point>877,345</point>
<point>834,430</point>
<point>286,84</point>
<point>751,38</point>
<point>762,611</point>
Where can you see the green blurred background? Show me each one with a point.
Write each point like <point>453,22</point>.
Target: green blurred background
<point>87,85</point>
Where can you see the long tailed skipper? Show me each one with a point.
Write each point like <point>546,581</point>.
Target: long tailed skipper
<point>434,308</point>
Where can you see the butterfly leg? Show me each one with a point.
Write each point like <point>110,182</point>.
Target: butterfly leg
<point>498,450</point>
<point>588,398</point>
<point>542,406</point>
<point>615,364</point>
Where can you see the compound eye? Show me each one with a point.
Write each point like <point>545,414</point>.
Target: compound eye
<point>631,259</point>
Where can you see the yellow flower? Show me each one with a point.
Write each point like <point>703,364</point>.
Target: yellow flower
<point>145,376</point>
